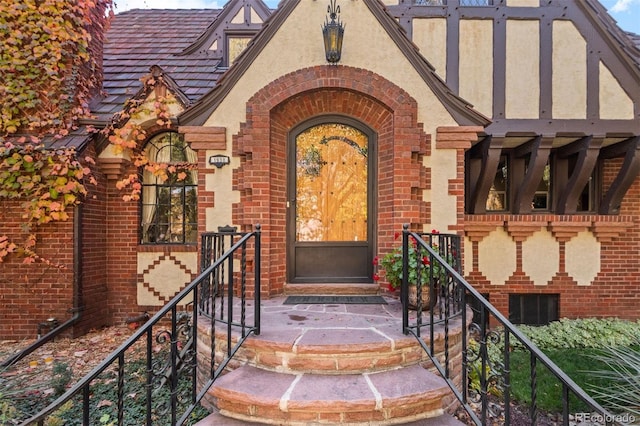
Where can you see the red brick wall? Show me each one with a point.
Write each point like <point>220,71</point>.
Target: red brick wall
<point>29,294</point>
<point>93,248</point>
<point>122,246</point>
<point>299,96</point>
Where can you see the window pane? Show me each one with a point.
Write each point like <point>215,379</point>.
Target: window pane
<point>533,309</point>
<point>541,197</point>
<point>236,46</point>
<point>331,184</point>
<point>586,201</point>
<point>497,199</point>
<point>165,207</point>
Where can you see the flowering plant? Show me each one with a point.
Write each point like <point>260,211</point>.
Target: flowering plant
<point>419,263</point>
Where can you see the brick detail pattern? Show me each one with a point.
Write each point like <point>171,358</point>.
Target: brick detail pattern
<point>613,292</point>
<point>261,146</point>
<point>113,168</point>
<point>460,139</point>
<point>205,137</point>
<point>162,291</point>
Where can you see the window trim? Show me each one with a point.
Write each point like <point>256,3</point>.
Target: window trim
<point>156,187</point>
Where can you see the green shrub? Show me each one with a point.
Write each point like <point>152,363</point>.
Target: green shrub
<point>583,333</point>
<point>611,352</point>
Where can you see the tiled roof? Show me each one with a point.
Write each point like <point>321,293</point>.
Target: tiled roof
<point>635,38</point>
<point>628,42</point>
<point>141,38</point>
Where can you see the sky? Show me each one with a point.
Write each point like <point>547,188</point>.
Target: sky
<point>626,12</point>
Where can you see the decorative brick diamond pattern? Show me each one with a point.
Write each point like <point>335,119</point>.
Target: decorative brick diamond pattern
<point>160,279</point>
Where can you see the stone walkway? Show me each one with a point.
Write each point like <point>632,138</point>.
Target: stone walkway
<point>332,339</point>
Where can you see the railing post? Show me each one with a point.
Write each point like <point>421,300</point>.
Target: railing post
<point>229,303</point>
<point>257,278</point>
<point>404,285</point>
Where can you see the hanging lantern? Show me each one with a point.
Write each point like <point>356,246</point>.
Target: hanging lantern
<point>333,33</point>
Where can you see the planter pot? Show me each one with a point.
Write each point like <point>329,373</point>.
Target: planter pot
<point>413,298</point>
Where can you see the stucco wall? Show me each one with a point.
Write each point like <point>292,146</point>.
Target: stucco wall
<point>366,46</point>
<point>430,35</point>
<point>476,64</point>
<point>569,76</point>
<point>522,82</point>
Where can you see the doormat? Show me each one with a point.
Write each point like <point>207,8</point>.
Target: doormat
<point>340,300</point>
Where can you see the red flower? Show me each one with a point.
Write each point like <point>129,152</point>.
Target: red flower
<point>396,235</point>
<point>425,260</point>
<point>376,277</point>
<point>434,231</point>
<point>376,261</point>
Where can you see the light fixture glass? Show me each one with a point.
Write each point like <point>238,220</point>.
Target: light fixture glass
<point>333,33</point>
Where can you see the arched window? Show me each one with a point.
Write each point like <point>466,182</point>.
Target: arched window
<point>169,206</point>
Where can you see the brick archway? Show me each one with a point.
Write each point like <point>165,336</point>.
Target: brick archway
<point>261,146</point>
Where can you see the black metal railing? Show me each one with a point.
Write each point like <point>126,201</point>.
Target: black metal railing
<point>155,377</point>
<point>453,2</point>
<point>483,384</point>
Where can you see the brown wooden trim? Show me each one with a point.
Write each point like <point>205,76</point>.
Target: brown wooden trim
<point>499,68</point>
<point>611,128</point>
<point>538,150</point>
<point>453,51</point>
<point>546,67</point>
<point>604,42</point>
<point>484,159</point>
<point>626,176</point>
<point>222,24</point>
<point>587,150</point>
<point>593,80</point>
<point>460,110</point>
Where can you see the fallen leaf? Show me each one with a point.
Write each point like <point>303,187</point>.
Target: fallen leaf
<point>105,403</point>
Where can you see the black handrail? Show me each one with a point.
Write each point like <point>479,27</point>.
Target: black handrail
<point>452,293</point>
<point>177,368</point>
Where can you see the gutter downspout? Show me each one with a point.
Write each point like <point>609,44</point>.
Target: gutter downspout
<point>77,286</point>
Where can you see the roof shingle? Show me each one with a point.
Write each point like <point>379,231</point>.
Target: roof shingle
<point>141,38</point>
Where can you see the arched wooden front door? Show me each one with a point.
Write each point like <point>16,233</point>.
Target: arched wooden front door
<point>331,200</point>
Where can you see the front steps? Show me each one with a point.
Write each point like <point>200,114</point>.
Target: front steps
<point>388,397</point>
<point>329,289</point>
<point>330,364</point>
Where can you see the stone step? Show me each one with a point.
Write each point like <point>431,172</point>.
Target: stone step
<point>389,397</point>
<point>327,289</point>
<point>337,350</point>
<point>330,364</point>
<point>217,419</point>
